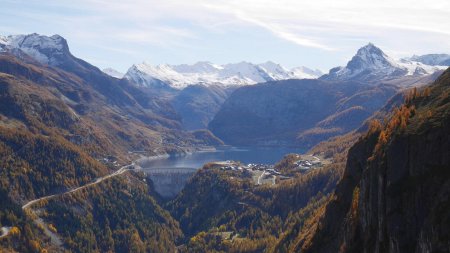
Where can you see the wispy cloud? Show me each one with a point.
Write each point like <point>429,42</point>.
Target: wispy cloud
<point>313,23</point>
<point>280,31</point>
<point>151,21</point>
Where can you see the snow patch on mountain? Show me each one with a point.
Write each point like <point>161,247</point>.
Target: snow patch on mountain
<point>418,68</point>
<point>207,73</point>
<point>432,59</point>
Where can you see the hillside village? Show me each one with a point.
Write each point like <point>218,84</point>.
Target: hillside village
<point>267,173</point>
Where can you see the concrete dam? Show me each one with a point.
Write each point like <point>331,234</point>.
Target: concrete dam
<point>168,177</point>
<point>168,182</point>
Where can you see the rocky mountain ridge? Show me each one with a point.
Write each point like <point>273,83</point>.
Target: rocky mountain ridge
<point>206,73</point>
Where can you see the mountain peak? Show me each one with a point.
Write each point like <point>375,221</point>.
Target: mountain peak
<point>369,58</point>
<point>44,49</point>
<point>372,55</point>
<point>370,63</point>
<point>371,49</point>
<point>370,45</point>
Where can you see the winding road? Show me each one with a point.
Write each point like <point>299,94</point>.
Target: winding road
<point>98,180</point>
<point>6,230</point>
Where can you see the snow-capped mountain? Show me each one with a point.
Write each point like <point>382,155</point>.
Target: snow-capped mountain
<point>242,73</point>
<point>50,50</point>
<point>371,64</point>
<point>46,50</point>
<point>114,73</point>
<point>432,59</point>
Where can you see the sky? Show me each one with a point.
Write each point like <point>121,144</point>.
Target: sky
<point>315,33</point>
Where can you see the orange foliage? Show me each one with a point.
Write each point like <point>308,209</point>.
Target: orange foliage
<point>399,120</point>
<point>15,231</point>
<point>374,126</point>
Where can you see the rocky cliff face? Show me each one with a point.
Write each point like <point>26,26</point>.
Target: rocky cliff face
<point>394,196</point>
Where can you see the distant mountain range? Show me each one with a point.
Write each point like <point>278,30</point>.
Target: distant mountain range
<point>369,63</point>
<point>206,73</point>
<point>305,112</point>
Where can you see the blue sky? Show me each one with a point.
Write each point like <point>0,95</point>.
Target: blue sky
<point>317,34</point>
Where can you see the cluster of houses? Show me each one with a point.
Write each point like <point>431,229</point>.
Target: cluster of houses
<point>308,162</point>
<point>231,165</point>
<point>261,173</point>
<point>265,173</point>
<point>305,162</point>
